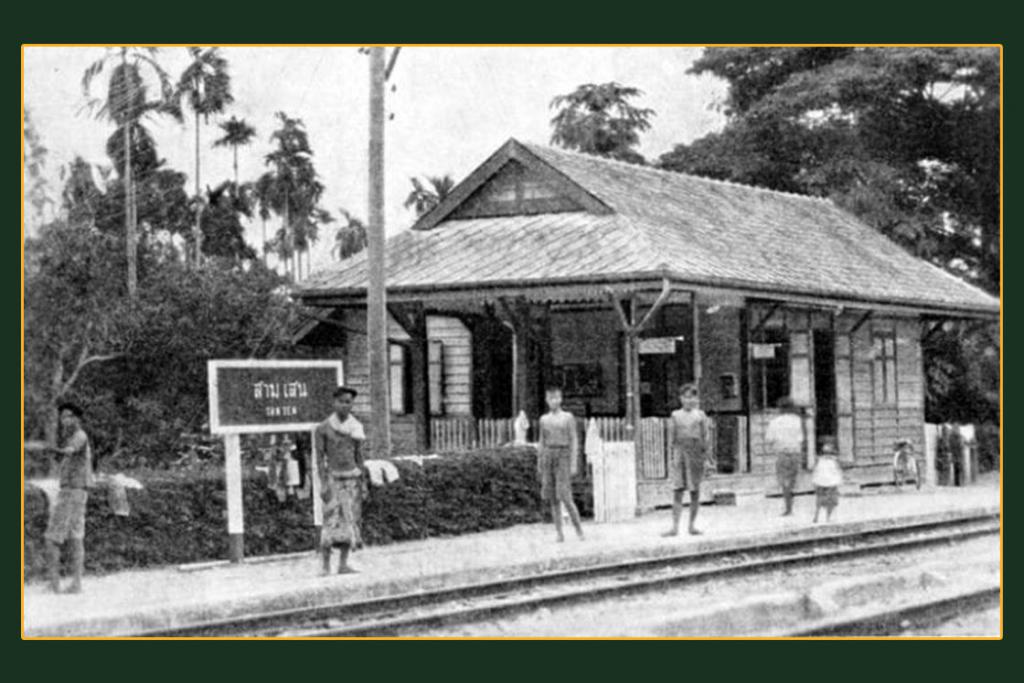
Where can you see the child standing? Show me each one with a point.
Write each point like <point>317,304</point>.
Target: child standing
<point>827,477</point>
<point>558,445</point>
<point>691,444</point>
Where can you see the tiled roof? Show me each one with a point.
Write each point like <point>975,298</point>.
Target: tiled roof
<point>695,229</point>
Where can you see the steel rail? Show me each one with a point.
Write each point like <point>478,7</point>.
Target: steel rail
<point>893,621</point>
<point>388,615</point>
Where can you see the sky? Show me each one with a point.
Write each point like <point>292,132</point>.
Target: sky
<point>451,108</point>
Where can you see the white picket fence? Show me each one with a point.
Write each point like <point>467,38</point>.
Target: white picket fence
<point>460,434</point>
<point>613,472</point>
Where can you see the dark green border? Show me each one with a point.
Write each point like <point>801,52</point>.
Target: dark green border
<point>527,22</point>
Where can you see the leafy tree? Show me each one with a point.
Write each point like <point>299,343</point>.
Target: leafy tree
<point>125,103</point>
<point>138,367</point>
<point>81,198</point>
<point>237,133</point>
<point>599,120</point>
<point>424,197</point>
<point>37,190</point>
<point>206,87</point>
<point>907,139</point>
<point>223,231</point>
<point>74,315</point>
<point>350,239</point>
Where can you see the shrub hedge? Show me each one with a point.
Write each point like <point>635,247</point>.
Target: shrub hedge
<point>180,516</point>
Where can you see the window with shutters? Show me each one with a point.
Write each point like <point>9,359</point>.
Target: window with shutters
<point>435,376</point>
<point>884,374</point>
<point>400,379</point>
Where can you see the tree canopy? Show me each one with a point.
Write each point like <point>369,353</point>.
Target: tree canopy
<point>907,139</point>
<point>600,120</point>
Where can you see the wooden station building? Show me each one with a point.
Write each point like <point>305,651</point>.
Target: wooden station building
<point>622,282</point>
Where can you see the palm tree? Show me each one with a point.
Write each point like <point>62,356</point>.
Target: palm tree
<point>237,133</point>
<point>424,198</point>
<point>350,239</point>
<point>206,86</point>
<point>126,102</point>
<point>292,190</point>
<point>598,119</point>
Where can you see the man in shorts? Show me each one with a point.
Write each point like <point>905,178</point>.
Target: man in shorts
<point>691,446</point>
<point>67,513</point>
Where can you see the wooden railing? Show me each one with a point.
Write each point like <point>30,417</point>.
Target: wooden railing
<point>460,434</point>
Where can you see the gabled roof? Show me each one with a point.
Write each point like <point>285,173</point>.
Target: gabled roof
<point>642,222</point>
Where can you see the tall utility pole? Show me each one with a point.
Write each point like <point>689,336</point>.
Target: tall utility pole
<point>131,238</point>
<point>376,311</point>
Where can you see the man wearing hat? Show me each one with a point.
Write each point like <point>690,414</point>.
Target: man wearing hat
<point>339,455</point>
<point>67,514</point>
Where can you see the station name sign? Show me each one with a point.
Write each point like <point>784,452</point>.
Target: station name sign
<point>249,396</point>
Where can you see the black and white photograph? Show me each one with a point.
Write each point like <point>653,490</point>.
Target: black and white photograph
<point>511,341</point>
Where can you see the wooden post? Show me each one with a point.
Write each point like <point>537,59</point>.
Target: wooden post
<point>420,381</point>
<point>233,486</point>
<point>376,312</point>
<point>517,316</point>
<point>696,341</point>
<point>314,475</point>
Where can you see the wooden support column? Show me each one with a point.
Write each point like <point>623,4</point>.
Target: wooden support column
<point>696,341</point>
<point>632,329</point>
<point>517,314</point>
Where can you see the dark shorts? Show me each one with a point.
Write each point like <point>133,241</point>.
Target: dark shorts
<point>827,496</point>
<point>554,466</point>
<point>687,465</point>
<point>787,467</point>
<point>67,516</point>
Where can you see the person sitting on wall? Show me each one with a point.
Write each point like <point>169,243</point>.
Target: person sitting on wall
<point>559,445</point>
<point>691,445</point>
<point>339,441</point>
<point>67,515</point>
<point>785,439</point>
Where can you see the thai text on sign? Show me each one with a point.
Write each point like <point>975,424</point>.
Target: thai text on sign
<point>270,395</point>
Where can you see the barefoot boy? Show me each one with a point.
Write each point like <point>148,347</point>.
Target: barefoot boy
<point>691,444</point>
<point>339,455</point>
<point>558,445</point>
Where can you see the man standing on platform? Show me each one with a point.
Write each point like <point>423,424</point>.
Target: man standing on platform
<point>785,439</point>
<point>339,441</point>
<point>67,513</point>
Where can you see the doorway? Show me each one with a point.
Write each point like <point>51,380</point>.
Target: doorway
<point>824,387</point>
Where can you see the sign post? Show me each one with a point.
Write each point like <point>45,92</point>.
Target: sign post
<point>266,396</point>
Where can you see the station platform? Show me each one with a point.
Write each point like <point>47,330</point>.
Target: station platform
<point>133,602</point>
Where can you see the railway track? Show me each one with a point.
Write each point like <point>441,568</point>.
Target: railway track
<point>892,621</point>
<point>410,613</point>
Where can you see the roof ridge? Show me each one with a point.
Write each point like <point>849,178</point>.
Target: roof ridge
<point>668,172</point>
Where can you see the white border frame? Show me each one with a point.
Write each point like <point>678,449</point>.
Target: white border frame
<point>211,380</point>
